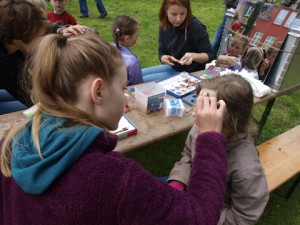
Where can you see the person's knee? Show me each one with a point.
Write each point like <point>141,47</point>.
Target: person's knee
<point>151,78</point>
<point>11,106</point>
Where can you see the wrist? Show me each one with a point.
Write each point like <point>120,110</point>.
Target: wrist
<point>162,60</point>
<point>60,30</point>
<point>177,185</point>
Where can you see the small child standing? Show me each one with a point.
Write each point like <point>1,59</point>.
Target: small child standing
<point>233,57</point>
<point>125,33</point>
<point>236,25</point>
<point>251,60</point>
<point>59,16</point>
<point>246,193</point>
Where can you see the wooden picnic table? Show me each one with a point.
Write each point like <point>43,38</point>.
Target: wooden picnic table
<point>156,126</point>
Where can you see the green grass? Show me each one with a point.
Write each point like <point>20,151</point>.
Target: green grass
<point>159,158</point>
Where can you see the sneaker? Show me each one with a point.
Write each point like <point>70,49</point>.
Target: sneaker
<point>102,16</point>
<point>83,16</point>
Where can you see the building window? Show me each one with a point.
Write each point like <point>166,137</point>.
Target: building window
<point>256,38</point>
<point>248,11</point>
<point>290,20</point>
<point>268,42</point>
<point>281,16</point>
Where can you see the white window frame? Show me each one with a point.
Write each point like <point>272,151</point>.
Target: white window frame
<point>268,42</point>
<point>281,16</point>
<point>256,38</point>
<point>290,20</point>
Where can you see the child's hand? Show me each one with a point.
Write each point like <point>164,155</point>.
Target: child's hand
<point>187,59</point>
<point>266,64</point>
<point>209,114</point>
<point>169,60</point>
<point>227,61</point>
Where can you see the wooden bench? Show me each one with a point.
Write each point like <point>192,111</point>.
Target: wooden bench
<point>280,158</point>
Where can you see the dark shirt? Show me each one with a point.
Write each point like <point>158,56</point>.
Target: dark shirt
<point>11,70</point>
<point>231,3</point>
<point>63,19</point>
<point>172,42</point>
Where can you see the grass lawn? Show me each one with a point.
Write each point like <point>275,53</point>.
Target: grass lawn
<point>159,158</point>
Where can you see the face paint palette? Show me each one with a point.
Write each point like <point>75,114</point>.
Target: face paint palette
<point>190,99</point>
<point>180,85</point>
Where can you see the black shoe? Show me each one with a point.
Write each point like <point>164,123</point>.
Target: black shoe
<point>83,16</point>
<point>102,16</point>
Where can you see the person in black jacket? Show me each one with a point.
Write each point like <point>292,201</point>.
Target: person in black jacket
<point>22,23</point>
<point>183,42</point>
<point>19,32</point>
<point>219,32</point>
<point>290,3</point>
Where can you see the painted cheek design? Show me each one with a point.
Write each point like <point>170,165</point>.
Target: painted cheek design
<point>133,42</point>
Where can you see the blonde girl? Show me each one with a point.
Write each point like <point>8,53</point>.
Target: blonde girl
<point>59,167</point>
<point>251,60</point>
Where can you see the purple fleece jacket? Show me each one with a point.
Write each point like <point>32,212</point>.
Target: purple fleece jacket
<point>104,187</point>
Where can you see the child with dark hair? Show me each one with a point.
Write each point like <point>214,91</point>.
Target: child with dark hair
<point>22,23</point>
<point>125,33</point>
<point>246,192</point>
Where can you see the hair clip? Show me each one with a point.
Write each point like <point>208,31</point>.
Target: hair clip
<point>62,42</point>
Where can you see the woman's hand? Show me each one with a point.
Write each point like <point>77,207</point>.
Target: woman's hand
<point>169,60</point>
<point>264,66</point>
<point>71,31</point>
<point>187,59</point>
<point>209,114</point>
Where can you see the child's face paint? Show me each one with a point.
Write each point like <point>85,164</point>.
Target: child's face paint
<point>236,48</point>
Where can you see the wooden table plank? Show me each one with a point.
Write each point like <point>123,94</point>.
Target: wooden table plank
<point>153,127</point>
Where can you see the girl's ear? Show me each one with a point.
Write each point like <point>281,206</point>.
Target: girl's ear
<point>97,91</point>
<point>127,38</point>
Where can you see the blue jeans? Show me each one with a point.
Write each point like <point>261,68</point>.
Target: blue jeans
<point>100,6</point>
<point>9,104</point>
<point>215,44</point>
<point>84,8</point>
<point>158,73</point>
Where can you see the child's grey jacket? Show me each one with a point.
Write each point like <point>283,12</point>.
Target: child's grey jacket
<point>246,193</point>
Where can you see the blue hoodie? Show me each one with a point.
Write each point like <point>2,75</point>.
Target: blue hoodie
<point>61,144</point>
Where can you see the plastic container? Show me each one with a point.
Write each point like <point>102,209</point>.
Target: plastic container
<point>149,97</point>
<point>174,107</point>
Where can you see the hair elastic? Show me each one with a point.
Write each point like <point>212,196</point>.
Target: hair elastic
<point>117,31</point>
<point>62,42</point>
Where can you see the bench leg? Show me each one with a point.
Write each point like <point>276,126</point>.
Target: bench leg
<point>265,116</point>
<point>291,189</point>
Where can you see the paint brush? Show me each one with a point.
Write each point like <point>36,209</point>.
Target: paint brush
<point>187,111</point>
